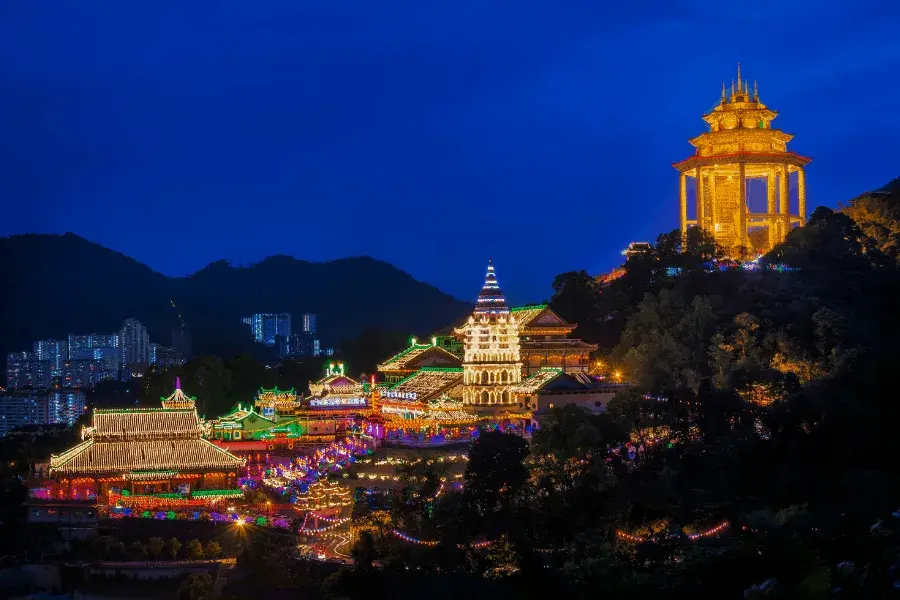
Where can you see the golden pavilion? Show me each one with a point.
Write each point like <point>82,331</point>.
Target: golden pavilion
<point>741,146</point>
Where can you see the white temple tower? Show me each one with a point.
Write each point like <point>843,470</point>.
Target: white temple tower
<point>491,362</point>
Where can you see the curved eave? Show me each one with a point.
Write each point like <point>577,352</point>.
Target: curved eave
<point>750,157</point>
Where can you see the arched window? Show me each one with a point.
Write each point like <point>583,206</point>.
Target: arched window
<point>505,397</point>
<point>485,397</point>
<point>484,378</point>
<point>503,377</point>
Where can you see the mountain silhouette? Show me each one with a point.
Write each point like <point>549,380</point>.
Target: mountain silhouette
<point>61,284</point>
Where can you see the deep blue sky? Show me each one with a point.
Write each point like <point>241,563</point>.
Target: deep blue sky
<point>428,134</point>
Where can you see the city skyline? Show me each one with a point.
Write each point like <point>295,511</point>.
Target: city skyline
<point>416,118</point>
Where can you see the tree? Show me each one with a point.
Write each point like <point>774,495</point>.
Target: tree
<point>172,547</point>
<point>213,549</point>
<point>137,550</point>
<point>494,477</point>
<point>196,586</point>
<point>194,550</point>
<point>364,551</point>
<point>155,546</point>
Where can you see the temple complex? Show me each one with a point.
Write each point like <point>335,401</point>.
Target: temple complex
<point>741,146</point>
<point>132,452</point>
<point>544,341</point>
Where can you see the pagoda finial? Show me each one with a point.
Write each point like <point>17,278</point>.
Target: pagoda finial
<point>739,78</point>
<point>491,299</point>
<point>177,383</point>
<point>723,92</point>
<point>755,92</point>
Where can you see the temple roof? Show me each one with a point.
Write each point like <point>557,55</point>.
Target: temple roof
<point>148,423</point>
<point>95,457</point>
<point>178,399</point>
<point>403,361</point>
<point>537,380</point>
<point>491,300</point>
<point>426,383</point>
<point>539,316</point>
<point>557,344</point>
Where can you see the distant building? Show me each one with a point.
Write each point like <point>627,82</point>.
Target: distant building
<point>309,323</point>
<point>23,369</point>
<point>79,347</point>
<point>81,373</point>
<point>104,340</point>
<point>19,408</point>
<point>164,356</point>
<point>53,351</point>
<point>65,406</point>
<point>181,342</point>
<point>303,345</point>
<point>636,248</point>
<point>111,360</point>
<point>135,343</point>
<point>264,327</point>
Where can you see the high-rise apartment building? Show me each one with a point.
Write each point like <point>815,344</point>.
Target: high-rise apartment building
<point>53,351</point>
<point>83,373</point>
<point>309,323</point>
<point>65,406</point>
<point>264,327</point>
<point>23,369</point>
<point>135,343</point>
<point>181,342</point>
<point>21,407</point>
<point>79,347</point>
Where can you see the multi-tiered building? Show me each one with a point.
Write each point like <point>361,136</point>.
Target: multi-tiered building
<point>739,147</point>
<point>142,452</point>
<point>492,361</point>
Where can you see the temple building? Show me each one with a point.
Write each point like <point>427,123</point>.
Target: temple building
<point>544,341</point>
<point>141,452</point>
<point>417,356</point>
<point>277,402</point>
<point>492,362</point>
<point>741,146</point>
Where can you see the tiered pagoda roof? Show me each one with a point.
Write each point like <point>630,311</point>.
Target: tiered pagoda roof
<point>425,384</point>
<point>129,441</point>
<point>413,357</point>
<point>336,390</point>
<point>491,300</point>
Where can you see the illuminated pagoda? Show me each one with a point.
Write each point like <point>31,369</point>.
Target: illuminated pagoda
<point>417,356</point>
<point>741,145</point>
<point>143,451</point>
<point>277,402</point>
<point>492,362</point>
<point>544,341</point>
<point>324,495</point>
<point>337,390</point>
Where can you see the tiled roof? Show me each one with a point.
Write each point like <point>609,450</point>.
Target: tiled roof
<point>524,314</point>
<point>138,424</point>
<point>556,344</point>
<point>95,457</point>
<point>429,381</point>
<point>537,380</point>
<point>401,361</point>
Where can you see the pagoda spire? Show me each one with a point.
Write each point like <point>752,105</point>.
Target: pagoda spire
<point>739,78</point>
<point>755,92</point>
<point>177,382</point>
<point>491,299</point>
<point>723,92</point>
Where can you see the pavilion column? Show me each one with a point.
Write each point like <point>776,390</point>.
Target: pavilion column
<point>711,198</point>
<point>698,175</point>
<point>683,179</point>
<point>742,195</point>
<point>801,195</point>
<point>784,201</point>
<point>771,192</point>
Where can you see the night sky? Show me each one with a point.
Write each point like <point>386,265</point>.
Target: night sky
<point>428,134</point>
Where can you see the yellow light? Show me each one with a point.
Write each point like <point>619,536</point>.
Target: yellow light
<point>239,523</point>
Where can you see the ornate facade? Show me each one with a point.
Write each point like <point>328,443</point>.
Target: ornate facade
<point>741,145</point>
<point>545,342</point>
<point>492,363</point>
